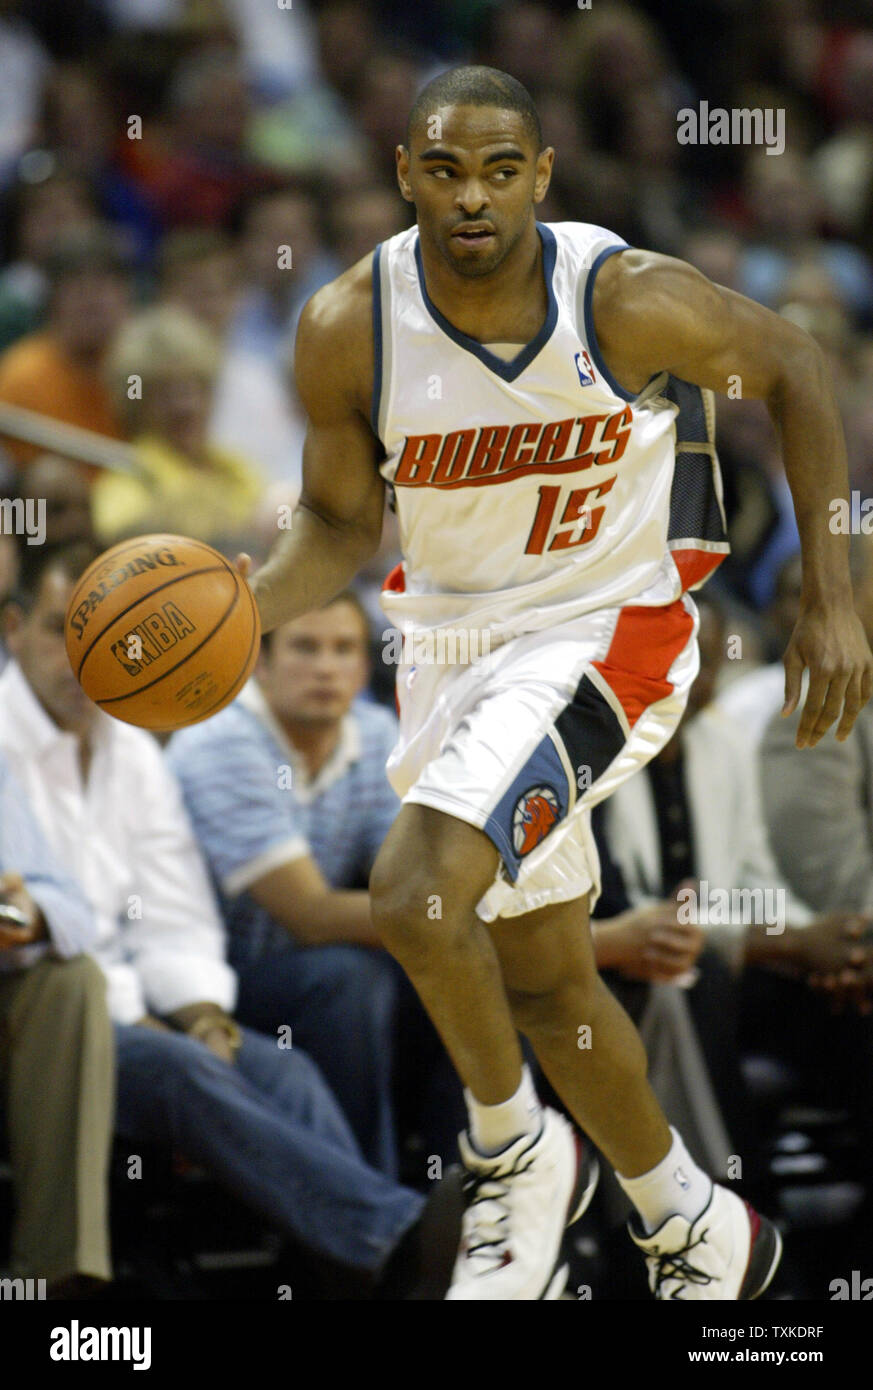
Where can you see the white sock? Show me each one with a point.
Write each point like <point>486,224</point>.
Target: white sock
<point>674,1187</point>
<point>495,1127</point>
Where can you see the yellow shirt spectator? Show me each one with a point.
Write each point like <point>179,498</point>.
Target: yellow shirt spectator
<point>209,501</point>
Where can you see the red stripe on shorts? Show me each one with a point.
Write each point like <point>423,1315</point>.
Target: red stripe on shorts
<point>644,646</point>
<point>395,580</point>
<point>695,565</point>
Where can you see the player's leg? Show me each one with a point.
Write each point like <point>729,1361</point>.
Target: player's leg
<point>701,1240</point>
<point>430,874</point>
<point>583,1039</point>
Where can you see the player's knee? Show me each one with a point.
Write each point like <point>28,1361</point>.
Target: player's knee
<point>399,912</point>
<point>406,909</point>
<point>552,1009</point>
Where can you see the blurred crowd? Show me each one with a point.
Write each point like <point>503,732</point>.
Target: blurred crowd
<point>177,178</point>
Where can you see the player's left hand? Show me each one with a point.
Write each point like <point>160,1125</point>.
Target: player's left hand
<point>830,641</point>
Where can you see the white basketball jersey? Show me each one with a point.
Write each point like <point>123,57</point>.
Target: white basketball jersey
<point>533,490</point>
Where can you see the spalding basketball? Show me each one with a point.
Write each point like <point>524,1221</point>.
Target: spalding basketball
<point>162,632</point>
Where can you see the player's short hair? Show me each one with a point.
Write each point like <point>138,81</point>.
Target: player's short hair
<point>476,86</point>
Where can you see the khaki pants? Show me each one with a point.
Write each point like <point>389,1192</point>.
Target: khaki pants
<point>57,1072</point>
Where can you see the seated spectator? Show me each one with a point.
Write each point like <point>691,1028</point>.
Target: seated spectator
<point>254,1111</point>
<point>200,271</point>
<point>283,261</point>
<point>290,803</point>
<point>57,371</point>
<point>382,101</point>
<point>714,249</point>
<point>786,212</point>
<point>58,1045</point>
<point>753,699</point>
<point>23,66</point>
<point>762,527</point>
<point>44,199</point>
<point>817,801</point>
<point>184,475</point>
<point>8,578</point>
<point>276,286</point>
<point>194,165</point>
<point>843,164</point>
<point>362,217</point>
<point>60,486</point>
<point>78,124</point>
<point>694,813</point>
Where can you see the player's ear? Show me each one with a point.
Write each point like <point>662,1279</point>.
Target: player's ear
<point>543,175</point>
<point>401,155</point>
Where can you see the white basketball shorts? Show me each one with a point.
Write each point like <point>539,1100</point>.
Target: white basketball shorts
<point>525,740</point>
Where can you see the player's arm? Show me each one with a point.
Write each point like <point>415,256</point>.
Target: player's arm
<point>337,523</point>
<point>653,313</point>
<point>298,897</point>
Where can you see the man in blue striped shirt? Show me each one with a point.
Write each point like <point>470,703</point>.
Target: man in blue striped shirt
<point>290,802</point>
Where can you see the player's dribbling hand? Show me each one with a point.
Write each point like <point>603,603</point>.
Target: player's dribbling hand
<point>243,564</point>
<point>831,643</point>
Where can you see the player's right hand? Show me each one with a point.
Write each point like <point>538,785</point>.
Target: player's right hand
<point>832,644</point>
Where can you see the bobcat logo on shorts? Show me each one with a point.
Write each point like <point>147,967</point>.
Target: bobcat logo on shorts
<point>535,813</point>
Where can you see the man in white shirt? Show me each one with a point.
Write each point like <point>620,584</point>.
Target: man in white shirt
<point>753,698</point>
<point>253,1110</point>
<point>694,813</point>
<point>55,1042</point>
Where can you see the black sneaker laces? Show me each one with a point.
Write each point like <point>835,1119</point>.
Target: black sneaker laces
<point>482,1187</point>
<point>672,1265</point>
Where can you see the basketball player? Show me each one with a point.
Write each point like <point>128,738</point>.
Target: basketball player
<point>536,397</point>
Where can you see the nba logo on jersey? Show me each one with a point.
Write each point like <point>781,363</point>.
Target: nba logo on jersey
<point>583,361</point>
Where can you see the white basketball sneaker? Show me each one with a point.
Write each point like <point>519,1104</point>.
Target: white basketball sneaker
<point>728,1254</point>
<point>519,1203</point>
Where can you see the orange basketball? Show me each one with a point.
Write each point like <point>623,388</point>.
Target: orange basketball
<point>162,631</point>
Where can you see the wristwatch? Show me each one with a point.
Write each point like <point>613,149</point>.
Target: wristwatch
<point>208,1023</point>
